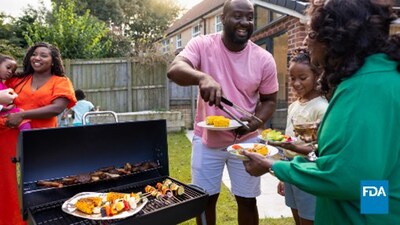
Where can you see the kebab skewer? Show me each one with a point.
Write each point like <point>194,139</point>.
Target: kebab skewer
<point>164,190</point>
<point>153,192</point>
<point>176,189</point>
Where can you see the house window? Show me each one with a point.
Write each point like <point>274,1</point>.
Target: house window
<point>277,45</point>
<point>178,41</point>
<point>395,28</point>
<point>275,16</point>
<point>218,23</point>
<point>264,16</point>
<point>196,30</point>
<point>165,46</point>
<point>279,51</point>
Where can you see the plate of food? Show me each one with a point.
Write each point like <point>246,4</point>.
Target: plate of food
<point>265,150</point>
<point>104,206</point>
<point>275,137</point>
<point>219,123</point>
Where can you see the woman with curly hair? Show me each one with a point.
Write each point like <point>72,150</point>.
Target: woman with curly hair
<point>358,137</point>
<point>43,92</point>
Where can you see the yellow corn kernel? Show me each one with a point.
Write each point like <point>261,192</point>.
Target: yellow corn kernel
<point>221,122</point>
<point>210,119</point>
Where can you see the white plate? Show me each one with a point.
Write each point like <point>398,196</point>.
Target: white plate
<point>294,139</point>
<point>271,150</point>
<point>233,124</point>
<point>69,207</point>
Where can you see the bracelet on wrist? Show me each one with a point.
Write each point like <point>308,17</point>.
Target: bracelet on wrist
<point>271,171</point>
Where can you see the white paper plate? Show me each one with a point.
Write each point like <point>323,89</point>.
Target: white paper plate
<point>69,207</point>
<point>271,150</point>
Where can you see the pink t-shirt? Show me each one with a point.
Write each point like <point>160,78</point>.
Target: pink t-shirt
<point>242,75</point>
<point>13,110</point>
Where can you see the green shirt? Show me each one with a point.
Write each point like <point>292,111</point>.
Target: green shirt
<point>359,139</point>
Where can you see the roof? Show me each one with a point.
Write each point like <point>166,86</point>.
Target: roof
<point>207,6</point>
<point>298,6</point>
<point>292,7</point>
<point>301,5</point>
<point>195,13</point>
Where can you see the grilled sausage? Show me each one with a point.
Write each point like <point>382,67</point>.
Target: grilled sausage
<point>49,184</point>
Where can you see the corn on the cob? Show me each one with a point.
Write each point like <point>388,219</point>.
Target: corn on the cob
<point>221,122</point>
<point>210,119</point>
<point>112,196</point>
<point>86,205</point>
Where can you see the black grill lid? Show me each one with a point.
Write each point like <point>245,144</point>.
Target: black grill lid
<point>48,154</point>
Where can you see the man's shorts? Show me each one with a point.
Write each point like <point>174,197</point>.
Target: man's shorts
<point>208,165</point>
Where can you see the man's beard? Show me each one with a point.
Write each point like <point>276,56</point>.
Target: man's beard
<point>231,34</point>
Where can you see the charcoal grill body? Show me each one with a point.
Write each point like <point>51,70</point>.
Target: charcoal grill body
<point>51,154</point>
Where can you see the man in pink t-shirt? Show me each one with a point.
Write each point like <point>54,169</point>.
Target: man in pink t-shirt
<point>227,64</point>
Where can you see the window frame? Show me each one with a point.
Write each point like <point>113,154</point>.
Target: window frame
<point>166,45</point>
<point>178,42</point>
<point>194,32</point>
<point>218,23</point>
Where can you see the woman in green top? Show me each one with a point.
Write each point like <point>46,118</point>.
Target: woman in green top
<point>358,139</point>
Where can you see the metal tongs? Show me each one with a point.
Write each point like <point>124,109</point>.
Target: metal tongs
<point>238,108</point>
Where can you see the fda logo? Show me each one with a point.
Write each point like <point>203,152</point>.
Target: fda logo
<point>373,191</point>
<point>374,197</point>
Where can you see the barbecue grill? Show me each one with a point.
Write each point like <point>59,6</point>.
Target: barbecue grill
<point>54,154</point>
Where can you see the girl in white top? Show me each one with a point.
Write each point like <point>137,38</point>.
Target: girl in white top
<point>310,106</point>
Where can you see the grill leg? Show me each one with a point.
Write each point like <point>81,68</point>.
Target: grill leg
<point>203,218</point>
<point>203,214</point>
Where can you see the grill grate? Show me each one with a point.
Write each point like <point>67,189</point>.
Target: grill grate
<point>51,213</point>
<point>30,187</point>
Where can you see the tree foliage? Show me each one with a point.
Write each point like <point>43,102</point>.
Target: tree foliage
<point>149,22</point>
<point>121,46</point>
<point>142,21</point>
<point>76,36</point>
<point>90,28</point>
<point>21,25</point>
<point>7,48</point>
<point>6,28</point>
<point>10,43</point>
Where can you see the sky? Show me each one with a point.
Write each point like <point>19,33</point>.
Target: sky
<point>186,3</point>
<point>15,7</point>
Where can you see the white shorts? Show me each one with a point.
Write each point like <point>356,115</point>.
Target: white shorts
<point>208,165</point>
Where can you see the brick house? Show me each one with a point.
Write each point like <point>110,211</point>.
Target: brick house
<point>280,26</point>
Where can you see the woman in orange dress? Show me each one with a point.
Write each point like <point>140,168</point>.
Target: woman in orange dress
<point>43,92</point>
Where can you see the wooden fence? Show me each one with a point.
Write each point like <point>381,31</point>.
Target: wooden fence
<point>137,84</point>
<point>122,84</point>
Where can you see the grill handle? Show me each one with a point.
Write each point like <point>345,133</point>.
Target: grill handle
<point>14,160</point>
<point>99,113</point>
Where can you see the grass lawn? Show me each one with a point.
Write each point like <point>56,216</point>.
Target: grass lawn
<point>179,150</point>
